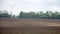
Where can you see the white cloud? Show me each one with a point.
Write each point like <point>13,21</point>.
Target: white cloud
<point>30,5</point>
<point>55,8</point>
<point>50,0</point>
<point>10,1</point>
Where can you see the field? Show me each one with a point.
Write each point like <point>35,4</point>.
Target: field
<point>29,26</point>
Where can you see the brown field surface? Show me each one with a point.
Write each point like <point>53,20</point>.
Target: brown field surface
<point>29,26</point>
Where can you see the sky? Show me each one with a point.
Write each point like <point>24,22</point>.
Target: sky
<point>16,6</point>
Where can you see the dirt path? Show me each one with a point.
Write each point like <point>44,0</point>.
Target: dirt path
<point>29,26</point>
<point>28,22</point>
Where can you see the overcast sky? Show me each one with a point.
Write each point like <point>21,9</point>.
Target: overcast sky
<point>16,6</point>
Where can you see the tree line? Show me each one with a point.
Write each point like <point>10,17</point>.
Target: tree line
<point>39,15</point>
<point>5,14</point>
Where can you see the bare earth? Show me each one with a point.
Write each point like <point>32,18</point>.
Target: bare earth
<point>29,26</point>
